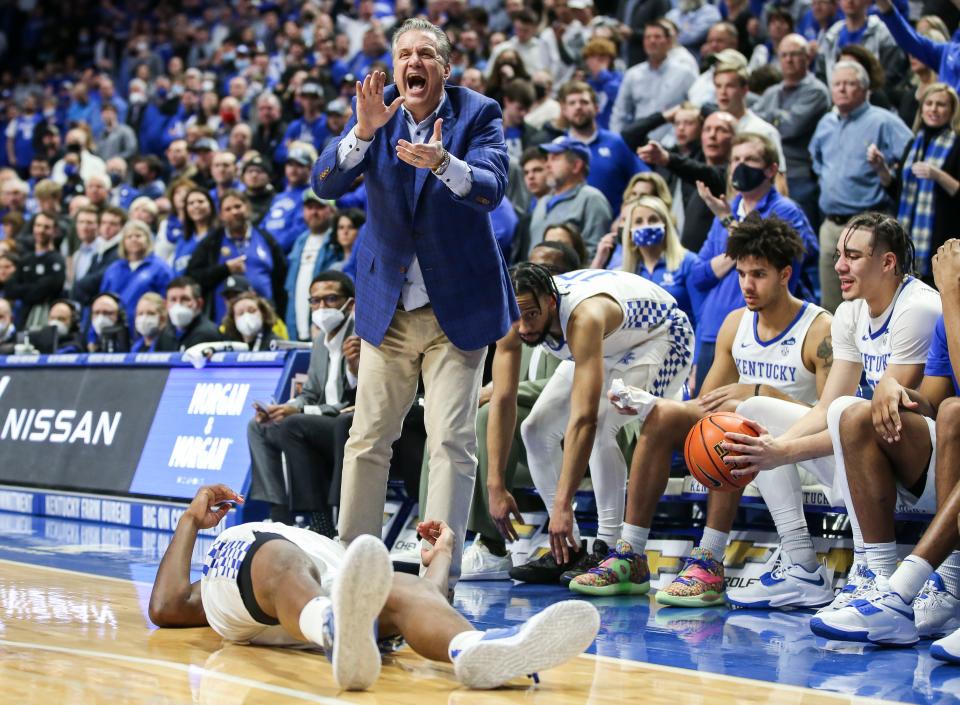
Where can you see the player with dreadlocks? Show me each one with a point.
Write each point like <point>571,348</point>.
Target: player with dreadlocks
<point>604,326</point>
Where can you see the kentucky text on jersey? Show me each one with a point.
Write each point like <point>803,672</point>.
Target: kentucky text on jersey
<point>766,370</point>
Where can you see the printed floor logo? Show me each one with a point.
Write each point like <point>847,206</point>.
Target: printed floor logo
<point>58,425</point>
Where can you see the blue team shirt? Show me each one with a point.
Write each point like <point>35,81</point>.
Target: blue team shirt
<point>153,275</point>
<point>721,296</point>
<point>938,357</point>
<point>612,165</point>
<point>678,283</point>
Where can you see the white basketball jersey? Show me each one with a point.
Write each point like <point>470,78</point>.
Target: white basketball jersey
<point>901,335</point>
<point>649,313</point>
<point>218,587</point>
<point>778,361</point>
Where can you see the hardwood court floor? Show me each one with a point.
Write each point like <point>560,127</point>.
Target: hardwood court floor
<point>71,636</point>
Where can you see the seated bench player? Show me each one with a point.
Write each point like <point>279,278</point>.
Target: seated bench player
<point>777,347</point>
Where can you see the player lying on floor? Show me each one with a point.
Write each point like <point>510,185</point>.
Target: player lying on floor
<point>272,584</point>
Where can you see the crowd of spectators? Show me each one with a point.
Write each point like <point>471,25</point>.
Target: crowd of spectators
<point>154,180</point>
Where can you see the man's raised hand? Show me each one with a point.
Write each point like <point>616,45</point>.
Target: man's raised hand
<point>428,155</point>
<point>372,113</point>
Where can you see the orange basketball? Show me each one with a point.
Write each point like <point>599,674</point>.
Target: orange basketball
<point>704,455</point>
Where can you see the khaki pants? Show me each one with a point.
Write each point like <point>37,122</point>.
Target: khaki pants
<point>829,282</point>
<point>387,385</point>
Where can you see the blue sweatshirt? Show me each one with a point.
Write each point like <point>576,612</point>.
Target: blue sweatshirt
<point>723,295</point>
<point>942,57</point>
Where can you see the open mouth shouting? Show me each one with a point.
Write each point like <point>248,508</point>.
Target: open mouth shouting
<point>416,83</point>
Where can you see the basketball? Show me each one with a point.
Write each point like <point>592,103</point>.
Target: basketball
<point>704,456</point>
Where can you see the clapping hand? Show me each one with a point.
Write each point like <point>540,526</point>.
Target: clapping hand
<point>875,158</point>
<point>718,206</point>
<point>372,113</point>
<point>429,154</point>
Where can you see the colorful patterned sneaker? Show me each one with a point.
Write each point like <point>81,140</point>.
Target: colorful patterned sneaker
<point>860,581</point>
<point>588,560</point>
<point>947,648</point>
<point>622,572</point>
<point>936,611</point>
<point>699,584</point>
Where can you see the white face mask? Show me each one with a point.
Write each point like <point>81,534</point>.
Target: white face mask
<point>181,316</point>
<point>249,324</point>
<point>147,325</point>
<point>61,327</point>
<point>328,319</point>
<point>4,327</point>
<point>100,323</point>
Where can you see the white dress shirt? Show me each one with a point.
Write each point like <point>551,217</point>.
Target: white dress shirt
<point>458,178</point>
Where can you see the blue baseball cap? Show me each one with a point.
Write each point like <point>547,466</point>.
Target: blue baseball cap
<point>567,144</point>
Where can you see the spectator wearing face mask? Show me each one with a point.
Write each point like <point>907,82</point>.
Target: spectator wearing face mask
<point>108,326</point>
<point>65,317</point>
<point>84,164</point>
<point>150,321</point>
<point>311,429</point>
<point>188,326</point>
<point>8,330</point>
<point>138,270</point>
<point>250,320</point>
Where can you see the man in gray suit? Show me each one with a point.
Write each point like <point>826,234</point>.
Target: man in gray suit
<point>311,428</point>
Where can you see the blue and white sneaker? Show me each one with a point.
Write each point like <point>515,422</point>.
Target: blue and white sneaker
<point>860,582</point>
<point>947,648</point>
<point>359,593</point>
<point>783,587</point>
<point>936,611</point>
<point>552,637</point>
<point>880,617</point>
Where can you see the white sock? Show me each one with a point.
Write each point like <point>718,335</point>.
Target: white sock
<point>798,548</point>
<point>882,557</point>
<point>909,577</point>
<point>461,641</point>
<point>715,542</point>
<point>949,570</point>
<point>636,536</point>
<point>609,535</point>
<point>313,618</point>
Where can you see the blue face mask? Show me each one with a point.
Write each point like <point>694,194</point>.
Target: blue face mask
<point>651,235</point>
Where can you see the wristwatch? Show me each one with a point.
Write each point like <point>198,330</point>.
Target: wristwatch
<point>444,163</point>
<point>728,220</point>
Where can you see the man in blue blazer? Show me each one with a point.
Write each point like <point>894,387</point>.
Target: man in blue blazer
<point>432,287</point>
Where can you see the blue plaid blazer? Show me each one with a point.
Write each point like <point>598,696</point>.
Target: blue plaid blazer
<point>409,211</point>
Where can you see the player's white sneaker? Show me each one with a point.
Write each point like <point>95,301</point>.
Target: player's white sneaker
<point>480,564</point>
<point>947,648</point>
<point>936,611</point>
<point>785,586</point>
<point>560,632</point>
<point>358,595</point>
<point>880,617</point>
<point>860,581</point>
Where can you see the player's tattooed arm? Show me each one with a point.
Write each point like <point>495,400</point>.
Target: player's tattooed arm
<point>825,351</point>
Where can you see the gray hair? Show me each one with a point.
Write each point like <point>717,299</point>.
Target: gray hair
<point>268,97</point>
<point>416,24</point>
<point>862,76</point>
